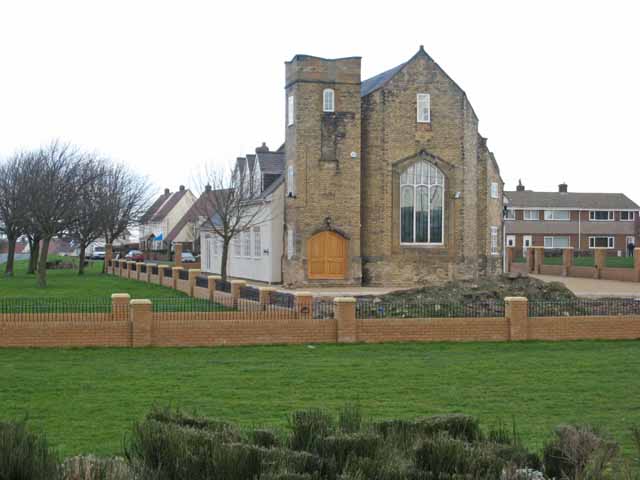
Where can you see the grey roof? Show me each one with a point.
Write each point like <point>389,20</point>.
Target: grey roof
<point>374,83</point>
<point>251,160</point>
<point>271,162</point>
<point>571,200</point>
<point>272,187</point>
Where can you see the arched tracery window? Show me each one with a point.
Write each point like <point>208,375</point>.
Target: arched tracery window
<point>421,204</point>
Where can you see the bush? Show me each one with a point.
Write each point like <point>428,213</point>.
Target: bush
<point>340,448</point>
<point>263,438</point>
<point>350,418</point>
<point>463,427</point>
<point>179,418</point>
<point>93,468</point>
<point>308,427</point>
<point>25,455</point>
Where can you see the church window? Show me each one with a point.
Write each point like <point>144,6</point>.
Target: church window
<point>421,204</point>
<point>424,108</point>
<point>494,190</point>
<point>290,110</point>
<point>328,100</point>
<point>291,181</point>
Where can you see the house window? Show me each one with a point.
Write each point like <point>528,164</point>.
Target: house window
<point>511,214</point>
<point>601,242</point>
<point>494,190</point>
<point>290,110</point>
<point>531,215</point>
<point>291,181</point>
<point>421,204</point>
<point>291,246</point>
<point>511,240</point>
<point>601,215</point>
<point>237,247</point>
<point>494,240</point>
<point>627,215</point>
<point>556,242</point>
<point>257,242</point>
<point>328,100</point>
<point>563,215</point>
<point>246,244</point>
<point>424,107</point>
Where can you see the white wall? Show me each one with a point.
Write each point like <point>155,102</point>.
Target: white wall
<point>264,268</point>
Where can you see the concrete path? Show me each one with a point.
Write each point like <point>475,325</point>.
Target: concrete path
<point>589,287</point>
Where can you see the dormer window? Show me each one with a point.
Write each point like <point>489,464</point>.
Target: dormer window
<point>424,108</point>
<point>290,110</point>
<point>328,100</point>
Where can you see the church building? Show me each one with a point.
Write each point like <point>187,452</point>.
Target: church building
<point>386,181</point>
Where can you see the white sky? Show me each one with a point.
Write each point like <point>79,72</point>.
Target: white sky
<point>168,86</point>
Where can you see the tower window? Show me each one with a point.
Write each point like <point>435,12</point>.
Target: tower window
<point>328,100</point>
<point>290,110</point>
<point>291,181</point>
<point>424,108</point>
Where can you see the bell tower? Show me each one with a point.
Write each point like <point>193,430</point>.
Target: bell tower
<point>322,171</point>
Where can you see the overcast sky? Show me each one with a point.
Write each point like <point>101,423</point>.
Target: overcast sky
<point>168,86</point>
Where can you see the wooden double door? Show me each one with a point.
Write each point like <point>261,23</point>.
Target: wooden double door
<point>327,256</point>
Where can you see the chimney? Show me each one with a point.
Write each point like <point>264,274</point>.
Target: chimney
<point>562,188</point>
<point>263,148</point>
<point>182,188</point>
<point>207,188</point>
<point>167,191</point>
<point>520,187</point>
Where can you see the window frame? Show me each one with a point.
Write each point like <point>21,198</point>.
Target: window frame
<point>420,98</point>
<point>552,213</point>
<point>494,240</point>
<point>553,238</point>
<point>332,107</point>
<point>291,181</point>
<point>291,110</point>
<point>610,216</point>
<point>526,211</point>
<point>291,244</point>
<point>415,186</point>
<point>511,214</point>
<point>611,242</point>
<point>257,242</point>
<point>631,213</point>
<point>495,190</point>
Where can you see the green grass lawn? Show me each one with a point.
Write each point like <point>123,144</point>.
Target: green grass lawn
<point>67,283</point>
<point>87,399</point>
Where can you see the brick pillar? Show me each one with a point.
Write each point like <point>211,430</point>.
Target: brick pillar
<point>304,305</point>
<point>530,260</point>
<point>177,255</point>
<point>175,275</point>
<point>161,273</point>
<point>265,295</point>
<point>141,322</point>
<point>212,284</point>
<point>599,261</point>
<point>108,257</point>
<point>148,265</point>
<point>636,263</point>
<point>123,269</point>
<point>133,274</point>
<point>138,265</point>
<point>345,310</point>
<point>538,259</point>
<point>120,306</point>
<point>236,285</point>
<point>193,273</point>
<point>510,254</point>
<point>567,261</point>
<point>517,315</point>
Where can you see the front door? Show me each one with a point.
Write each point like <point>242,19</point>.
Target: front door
<point>527,241</point>
<point>511,240</point>
<point>327,252</point>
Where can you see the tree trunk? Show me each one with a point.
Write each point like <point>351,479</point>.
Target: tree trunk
<point>223,260</point>
<point>83,251</point>
<point>42,263</point>
<point>11,255</point>
<point>34,251</point>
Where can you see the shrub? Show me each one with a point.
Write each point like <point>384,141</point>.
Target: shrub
<point>25,455</point>
<point>178,417</point>
<point>263,438</point>
<point>93,468</point>
<point>463,427</point>
<point>340,448</point>
<point>350,418</point>
<point>309,426</point>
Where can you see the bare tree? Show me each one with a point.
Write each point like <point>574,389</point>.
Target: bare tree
<point>228,206</point>
<point>12,204</point>
<point>59,174</point>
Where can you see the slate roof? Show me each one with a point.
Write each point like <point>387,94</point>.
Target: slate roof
<point>570,200</point>
<point>155,206</point>
<point>374,83</point>
<point>271,162</point>
<point>168,205</point>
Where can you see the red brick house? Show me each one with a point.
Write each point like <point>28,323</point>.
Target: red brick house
<point>561,219</point>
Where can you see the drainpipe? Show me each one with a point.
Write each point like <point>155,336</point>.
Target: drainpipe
<point>579,229</point>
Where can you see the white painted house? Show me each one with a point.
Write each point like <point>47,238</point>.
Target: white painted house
<point>255,254</point>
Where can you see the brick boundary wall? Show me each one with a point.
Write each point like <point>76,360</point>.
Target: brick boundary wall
<point>535,264</point>
<point>132,323</point>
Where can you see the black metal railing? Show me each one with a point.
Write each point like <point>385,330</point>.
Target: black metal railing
<point>584,307</point>
<point>168,272</point>
<point>186,305</point>
<point>143,268</point>
<point>202,282</point>
<point>403,309</point>
<point>154,270</point>
<point>323,308</point>
<point>223,286</point>
<point>247,292</point>
<point>183,274</point>
<point>283,299</point>
<point>48,308</point>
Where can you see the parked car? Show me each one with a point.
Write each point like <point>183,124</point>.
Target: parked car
<point>134,256</point>
<point>187,257</point>
<point>98,253</point>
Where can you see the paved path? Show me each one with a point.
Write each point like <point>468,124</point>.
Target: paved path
<point>589,287</point>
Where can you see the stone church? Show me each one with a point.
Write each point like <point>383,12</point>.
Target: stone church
<point>385,181</point>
